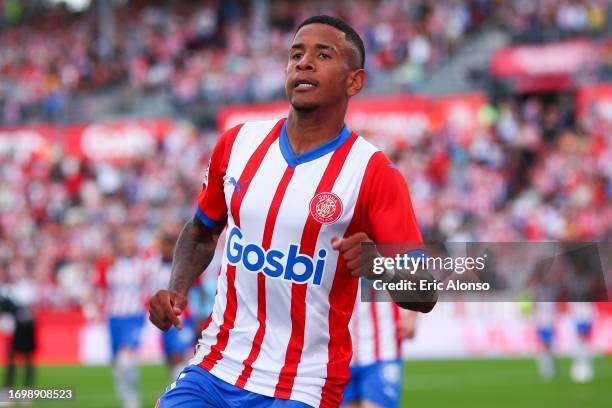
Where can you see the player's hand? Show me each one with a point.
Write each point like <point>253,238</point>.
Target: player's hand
<point>355,256</point>
<point>165,308</point>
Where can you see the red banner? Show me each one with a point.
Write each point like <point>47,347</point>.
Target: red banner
<point>547,67</point>
<point>394,119</point>
<point>64,337</point>
<point>96,141</point>
<point>387,120</point>
<point>562,58</point>
<point>23,142</point>
<point>115,141</point>
<point>457,113</point>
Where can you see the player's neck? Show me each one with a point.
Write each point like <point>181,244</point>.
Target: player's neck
<point>309,130</point>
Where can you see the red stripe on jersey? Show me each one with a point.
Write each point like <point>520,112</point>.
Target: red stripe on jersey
<point>250,169</point>
<point>375,328</point>
<point>209,318</point>
<point>298,291</point>
<point>229,318</point>
<point>342,298</point>
<point>207,322</point>
<point>396,321</point>
<point>293,354</point>
<point>231,308</point>
<point>261,279</point>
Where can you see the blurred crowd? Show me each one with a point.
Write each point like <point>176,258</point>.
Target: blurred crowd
<point>60,215</point>
<point>530,172</point>
<point>217,51</point>
<point>553,20</point>
<point>211,50</point>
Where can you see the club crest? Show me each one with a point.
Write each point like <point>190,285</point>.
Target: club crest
<point>326,208</point>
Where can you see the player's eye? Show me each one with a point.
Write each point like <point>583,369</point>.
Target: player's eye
<point>324,56</point>
<point>296,56</point>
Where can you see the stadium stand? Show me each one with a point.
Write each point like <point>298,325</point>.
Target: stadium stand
<point>535,166</point>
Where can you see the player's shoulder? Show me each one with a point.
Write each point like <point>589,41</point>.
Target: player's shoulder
<point>376,159</point>
<point>243,137</point>
<point>252,128</point>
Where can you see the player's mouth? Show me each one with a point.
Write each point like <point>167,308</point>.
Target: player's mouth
<point>304,85</point>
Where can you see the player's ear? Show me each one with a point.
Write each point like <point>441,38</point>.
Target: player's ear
<point>355,82</point>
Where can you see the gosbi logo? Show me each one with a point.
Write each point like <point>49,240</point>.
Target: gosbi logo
<point>289,265</point>
<point>326,208</point>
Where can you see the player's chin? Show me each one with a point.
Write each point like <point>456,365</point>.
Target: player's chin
<point>304,105</point>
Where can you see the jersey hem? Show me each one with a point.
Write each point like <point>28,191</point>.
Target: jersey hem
<point>218,372</point>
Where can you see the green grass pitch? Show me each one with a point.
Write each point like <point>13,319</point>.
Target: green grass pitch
<point>432,384</point>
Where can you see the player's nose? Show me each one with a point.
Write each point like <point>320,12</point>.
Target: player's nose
<point>305,63</point>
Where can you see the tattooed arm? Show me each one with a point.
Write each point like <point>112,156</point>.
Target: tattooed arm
<point>194,250</point>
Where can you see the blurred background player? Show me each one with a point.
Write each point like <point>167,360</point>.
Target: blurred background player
<point>575,279</point>
<point>582,369</point>
<point>581,316</point>
<point>176,344</point>
<point>377,331</point>
<point>17,299</point>
<point>544,315</point>
<point>121,281</point>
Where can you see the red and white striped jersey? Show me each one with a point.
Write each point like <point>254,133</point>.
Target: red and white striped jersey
<point>279,326</point>
<point>124,281</point>
<point>374,330</point>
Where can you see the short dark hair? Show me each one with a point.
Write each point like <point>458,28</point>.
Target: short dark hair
<point>351,34</point>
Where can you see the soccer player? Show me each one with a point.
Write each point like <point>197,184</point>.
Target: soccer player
<point>299,196</point>
<point>544,319</point>
<point>122,284</point>
<point>176,344</point>
<point>17,299</point>
<point>377,330</point>
<point>581,314</point>
<point>582,362</point>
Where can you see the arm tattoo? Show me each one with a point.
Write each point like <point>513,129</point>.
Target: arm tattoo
<point>194,250</point>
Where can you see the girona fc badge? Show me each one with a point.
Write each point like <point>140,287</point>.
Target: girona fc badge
<point>326,208</point>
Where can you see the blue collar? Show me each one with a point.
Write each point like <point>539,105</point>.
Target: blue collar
<point>293,160</point>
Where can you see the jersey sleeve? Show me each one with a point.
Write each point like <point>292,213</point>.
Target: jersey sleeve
<point>387,208</point>
<point>211,205</point>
